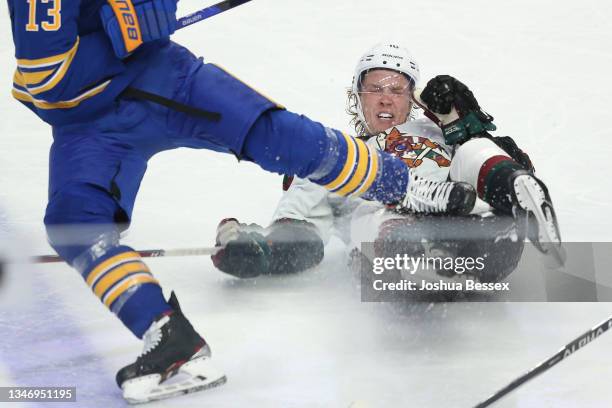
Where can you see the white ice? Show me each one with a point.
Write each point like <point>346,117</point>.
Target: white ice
<point>541,68</point>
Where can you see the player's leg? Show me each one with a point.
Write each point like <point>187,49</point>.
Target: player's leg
<point>501,181</point>
<point>507,186</point>
<point>487,167</point>
<point>257,129</point>
<point>495,241</point>
<point>284,142</point>
<point>93,184</point>
<point>376,232</point>
<point>81,227</point>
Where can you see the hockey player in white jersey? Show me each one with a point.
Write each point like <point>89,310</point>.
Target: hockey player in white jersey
<point>381,103</point>
<point>306,214</point>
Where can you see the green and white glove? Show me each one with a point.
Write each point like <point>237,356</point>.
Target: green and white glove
<point>451,104</point>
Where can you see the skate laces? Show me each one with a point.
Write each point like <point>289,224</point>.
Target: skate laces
<point>428,195</point>
<point>153,335</point>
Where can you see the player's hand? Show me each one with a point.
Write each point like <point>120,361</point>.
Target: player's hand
<point>443,92</point>
<point>245,252</point>
<point>455,109</point>
<point>145,21</point>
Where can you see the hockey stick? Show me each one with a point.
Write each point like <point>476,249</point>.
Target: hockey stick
<point>208,12</point>
<point>145,253</point>
<point>565,352</point>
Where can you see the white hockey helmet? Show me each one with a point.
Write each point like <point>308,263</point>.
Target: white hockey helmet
<point>384,56</point>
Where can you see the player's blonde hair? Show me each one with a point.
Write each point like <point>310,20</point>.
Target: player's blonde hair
<point>352,108</point>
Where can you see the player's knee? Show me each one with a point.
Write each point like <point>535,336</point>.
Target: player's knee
<point>471,156</point>
<point>81,203</point>
<point>77,216</point>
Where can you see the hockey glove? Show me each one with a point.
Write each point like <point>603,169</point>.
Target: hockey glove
<point>245,252</point>
<point>296,245</point>
<point>450,104</point>
<point>130,23</point>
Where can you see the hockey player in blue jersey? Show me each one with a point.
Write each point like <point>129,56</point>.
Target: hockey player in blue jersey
<point>116,91</point>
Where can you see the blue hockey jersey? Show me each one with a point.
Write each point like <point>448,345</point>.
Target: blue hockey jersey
<point>66,68</point>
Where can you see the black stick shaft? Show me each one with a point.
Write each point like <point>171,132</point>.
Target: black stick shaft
<point>565,352</point>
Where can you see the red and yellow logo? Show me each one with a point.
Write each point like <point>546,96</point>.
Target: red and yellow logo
<point>413,150</point>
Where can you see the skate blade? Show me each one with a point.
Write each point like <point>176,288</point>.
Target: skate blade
<point>195,375</point>
<point>531,197</point>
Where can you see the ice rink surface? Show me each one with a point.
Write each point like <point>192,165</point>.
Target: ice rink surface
<point>541,68</point>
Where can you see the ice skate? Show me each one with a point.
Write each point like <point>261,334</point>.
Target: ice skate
<point>175,360</point>
<point>429,196</point>
<point>532,199</point>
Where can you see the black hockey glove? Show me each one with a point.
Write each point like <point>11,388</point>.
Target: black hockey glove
<point>453,106</point>
<point>295,244</point>
<point>245,252</point>
<point>287,246</point>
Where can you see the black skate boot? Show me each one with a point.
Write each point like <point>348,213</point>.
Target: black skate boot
<point>531,200</point>
<point>175,360</point>
<point>429,196</point>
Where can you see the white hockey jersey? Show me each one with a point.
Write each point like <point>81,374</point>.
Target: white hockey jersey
<point>418,143</point>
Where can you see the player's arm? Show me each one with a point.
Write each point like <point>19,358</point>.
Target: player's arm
<point>57,68</point>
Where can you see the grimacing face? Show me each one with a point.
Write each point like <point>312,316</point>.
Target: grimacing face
<point>386,99</point>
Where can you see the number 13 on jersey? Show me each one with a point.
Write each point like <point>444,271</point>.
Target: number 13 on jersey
<point>53,22</point>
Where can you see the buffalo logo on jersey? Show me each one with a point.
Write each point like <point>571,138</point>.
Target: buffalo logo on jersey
<point>414,149</point>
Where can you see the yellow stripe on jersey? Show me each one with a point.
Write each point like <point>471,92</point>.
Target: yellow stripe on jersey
<point>110,263</point>
<point>27,77</point>
<point>116,275</point>
<point>363,159</point>
<point>372,172</point>
<point>348,165</point>
<point>24,96</point>
<point>31,78</point>
<point>130,282</point>
<point>59,74</point>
